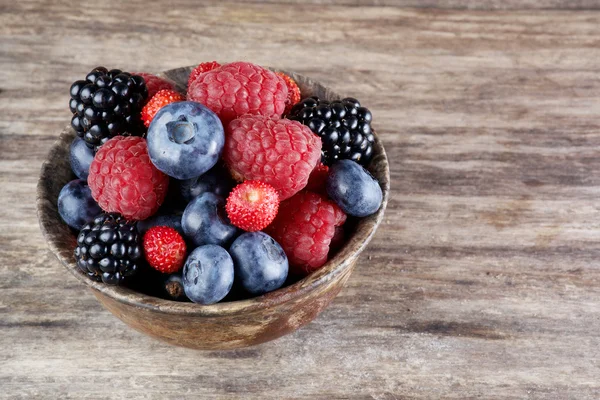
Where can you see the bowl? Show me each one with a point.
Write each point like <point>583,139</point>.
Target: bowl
<point>226,325</point>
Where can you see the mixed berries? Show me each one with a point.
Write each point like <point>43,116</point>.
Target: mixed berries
<point>238,185</point>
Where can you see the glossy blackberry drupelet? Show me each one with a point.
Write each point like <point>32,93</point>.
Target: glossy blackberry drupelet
<point>109,249</point>
<point>106,104</point>
<point>343,125</point>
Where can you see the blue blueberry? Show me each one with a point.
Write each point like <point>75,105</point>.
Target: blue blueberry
<point>208,274</point>
<point>353,188</point>
<point>261,265</point>
<point>173,221</point>
<point>81,157</point>
<point>76,205</point>
<point>205,221</point>
<point>217,181</point>
<point>185,139</point>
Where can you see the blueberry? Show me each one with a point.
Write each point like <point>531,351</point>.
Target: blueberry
<point>185,139</point>
<point>205,221</point>
<point>76,205</point>
<point>261,265</point>
<point>216,181</point>
<point>208,274</point>
<point>173,286</point>
<point>81,157</point>
<point>353,188</point>
<point>173,221</point>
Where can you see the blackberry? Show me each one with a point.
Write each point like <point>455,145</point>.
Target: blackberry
<point>108,249</point>
<point>343,125</point>
<point>106,104</point>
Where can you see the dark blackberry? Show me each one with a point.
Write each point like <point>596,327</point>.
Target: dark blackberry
<point>343,125</point>
<point>106,104</point>
<point>109,249</point>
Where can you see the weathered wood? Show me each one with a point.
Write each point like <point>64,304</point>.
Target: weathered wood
<point>483,279</point>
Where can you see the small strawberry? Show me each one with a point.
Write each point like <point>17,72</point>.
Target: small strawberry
<point>165,249</point>
<point>158,101</point>
<point>252,205</point>
<point>293,97</point>
<point>154,83</point>
<point>317,179</point>
<point>201,68</point>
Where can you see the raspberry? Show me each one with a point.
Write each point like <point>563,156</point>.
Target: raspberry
<point>293,96</point>
<point>317,179</point>
<point>202,68</point>
<point>155,83</point>
<point>337,241</point>
<point>158,101</point>
<point>164,249</point>
<point>240,88</point>
<point>280,152</point>
<point>123,179</point>
<point>304,227</point>
<point>252,205</point>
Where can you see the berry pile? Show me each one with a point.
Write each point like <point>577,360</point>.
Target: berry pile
<point>238,185</point>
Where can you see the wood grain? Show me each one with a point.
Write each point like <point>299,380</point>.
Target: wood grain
<point>483,279</point>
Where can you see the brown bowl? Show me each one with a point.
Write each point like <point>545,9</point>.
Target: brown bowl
<point>227,325</point>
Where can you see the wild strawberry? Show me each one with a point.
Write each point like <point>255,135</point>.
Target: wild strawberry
<point>252,205</point>
<point>165,249</point>
<point>202,68</point>
<point>158,101</point>
<point>293,96</point>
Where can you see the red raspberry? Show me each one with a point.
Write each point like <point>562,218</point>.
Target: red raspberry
<point>154,83</point>
<point>123,180</point>
<point>279,152</point>
<point>164,249</point>
<point>202,68</point>
<point>304,227</point>
<point>252,205</point>
<point>158,101</point>
<point>317,179</point>
<point>337,241</point>
<point>240,88</point>
<point>293,97</point>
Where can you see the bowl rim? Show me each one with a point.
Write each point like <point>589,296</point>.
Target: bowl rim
<point>335,266</point>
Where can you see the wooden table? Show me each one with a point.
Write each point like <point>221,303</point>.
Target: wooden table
<point>483,281</point>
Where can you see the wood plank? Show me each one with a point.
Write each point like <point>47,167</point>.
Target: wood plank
<point>482,282</point>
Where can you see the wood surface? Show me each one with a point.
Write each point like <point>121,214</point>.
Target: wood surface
<point>483,280</point>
